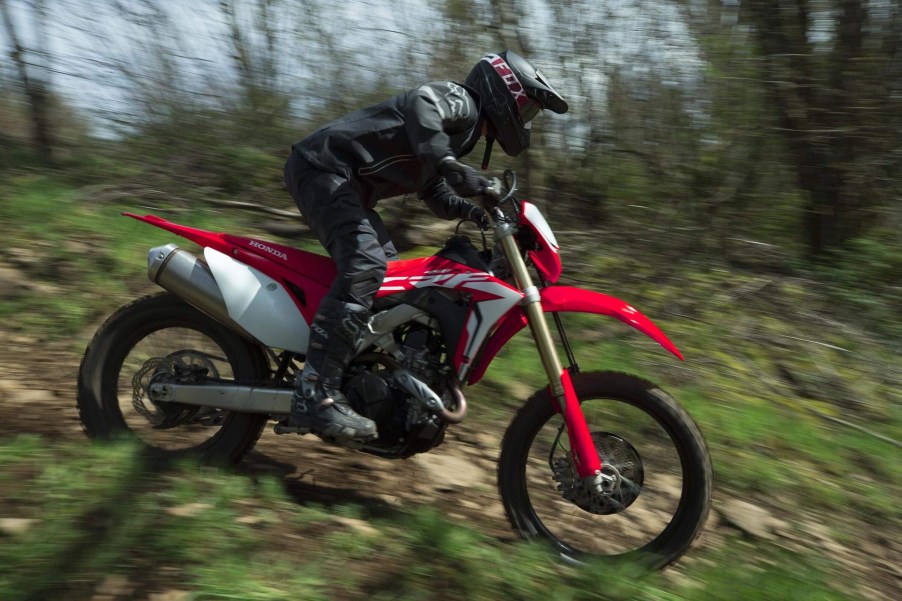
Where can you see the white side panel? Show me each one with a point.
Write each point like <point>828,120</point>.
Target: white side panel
<point>259,304</point>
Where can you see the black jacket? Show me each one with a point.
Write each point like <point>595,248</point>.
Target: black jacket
<point>393,148</point>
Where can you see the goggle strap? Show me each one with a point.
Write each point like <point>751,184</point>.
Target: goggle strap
<point>489,142</point>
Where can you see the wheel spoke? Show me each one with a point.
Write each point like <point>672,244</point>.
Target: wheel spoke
<point>162,339</point>
<point>644,440</point>
<point>168,355</point>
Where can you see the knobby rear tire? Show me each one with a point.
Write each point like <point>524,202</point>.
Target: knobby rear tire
<point>98,399</point>
<point>616,388</point>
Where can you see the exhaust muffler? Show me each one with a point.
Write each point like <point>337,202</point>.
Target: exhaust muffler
<point>190,278</point>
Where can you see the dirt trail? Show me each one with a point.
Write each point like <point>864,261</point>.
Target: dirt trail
<point>37,396</point>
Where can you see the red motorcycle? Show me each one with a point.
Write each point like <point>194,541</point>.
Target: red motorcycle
<point>597,463</point>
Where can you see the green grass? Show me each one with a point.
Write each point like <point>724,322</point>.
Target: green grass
<point>761,352</point>
<point>103,510</point>
<point>762,435</point>
<point>83,258</point>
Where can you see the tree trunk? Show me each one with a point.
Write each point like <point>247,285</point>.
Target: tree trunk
<point>35,90</point>
<point>818,113</point>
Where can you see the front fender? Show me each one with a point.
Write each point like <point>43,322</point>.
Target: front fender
<point>576,300</point>
<point>569,299</point>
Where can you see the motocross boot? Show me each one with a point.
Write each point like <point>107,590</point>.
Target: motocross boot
<point>318,405</point>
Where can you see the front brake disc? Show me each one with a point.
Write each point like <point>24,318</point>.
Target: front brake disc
<point>621,467</point>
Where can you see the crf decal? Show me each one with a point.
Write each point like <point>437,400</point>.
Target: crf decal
<point>446,278</point>
<point>488,299</point>
<point>507,75</point>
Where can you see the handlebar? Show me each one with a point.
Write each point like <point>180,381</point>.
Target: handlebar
<point>496,194</point>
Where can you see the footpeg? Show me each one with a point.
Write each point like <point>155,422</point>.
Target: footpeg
<point>281,428</point>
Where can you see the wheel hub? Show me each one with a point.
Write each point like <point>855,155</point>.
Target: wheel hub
<point>184,367</point>
<point>614,489</point>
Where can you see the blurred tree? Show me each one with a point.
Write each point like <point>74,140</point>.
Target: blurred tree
<point>626,150</point>
<point>834,79</point>
<point>740,187</point>
<point>253,42</point>
<point>510,35</point>
<point>32,66</point>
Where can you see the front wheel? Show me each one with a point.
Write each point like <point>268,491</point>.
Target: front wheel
<point>161,338</point>
<point>652,454</point>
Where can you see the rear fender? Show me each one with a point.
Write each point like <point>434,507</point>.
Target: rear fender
<point>568,299</point>
<point>306,275</point>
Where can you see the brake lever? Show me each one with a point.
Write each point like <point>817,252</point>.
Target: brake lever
<point>492,195</point>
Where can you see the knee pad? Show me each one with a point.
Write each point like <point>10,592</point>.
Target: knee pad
<point>346,320</point>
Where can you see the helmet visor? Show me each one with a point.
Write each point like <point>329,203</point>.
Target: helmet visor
<point>528,110</point>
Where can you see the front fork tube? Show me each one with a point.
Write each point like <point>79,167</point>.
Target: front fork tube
<point>582,447</point>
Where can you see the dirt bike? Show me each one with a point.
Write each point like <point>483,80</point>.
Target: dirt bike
<point>597,463</point>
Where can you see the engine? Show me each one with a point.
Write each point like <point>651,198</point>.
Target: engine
<point>405,426</point>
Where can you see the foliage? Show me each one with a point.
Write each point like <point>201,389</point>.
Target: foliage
<point>75,260</point>
<point>835,98</point>
<point>751,380</point>
<point>679,131</point>
<point>705,147</point>
<point>867,279</point>
<point>103,516</point>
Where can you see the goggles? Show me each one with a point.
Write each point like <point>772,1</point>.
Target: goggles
<point>528,111</point>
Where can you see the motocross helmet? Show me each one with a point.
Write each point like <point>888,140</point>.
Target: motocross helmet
<point>511,93</point>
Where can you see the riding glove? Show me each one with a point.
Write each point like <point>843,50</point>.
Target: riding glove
<point>465,180</point>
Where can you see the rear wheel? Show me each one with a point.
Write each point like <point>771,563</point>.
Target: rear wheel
<point>160,338</point>
<point>658,468</point>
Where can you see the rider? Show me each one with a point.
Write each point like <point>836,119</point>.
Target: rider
<point>409,143</point>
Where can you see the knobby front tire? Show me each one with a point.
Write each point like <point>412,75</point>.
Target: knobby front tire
<point>642,431</point>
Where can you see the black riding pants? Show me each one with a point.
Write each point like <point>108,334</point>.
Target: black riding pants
<point>355,237</point>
